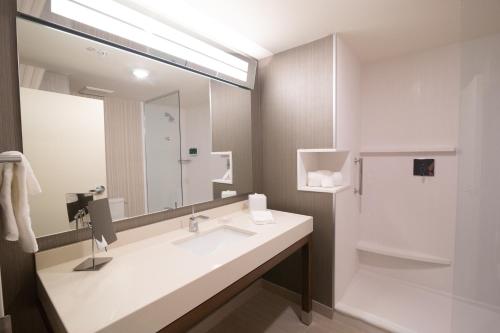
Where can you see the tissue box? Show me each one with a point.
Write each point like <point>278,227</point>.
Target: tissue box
<point>257,202</point>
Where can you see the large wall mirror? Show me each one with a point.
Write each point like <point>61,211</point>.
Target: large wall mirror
<point>99,121</point>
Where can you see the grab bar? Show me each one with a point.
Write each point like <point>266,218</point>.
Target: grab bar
<point>9,159</point>
<point>359,190</point>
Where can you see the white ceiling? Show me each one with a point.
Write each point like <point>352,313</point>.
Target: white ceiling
<point>67,54</point>
<point>375,29</point>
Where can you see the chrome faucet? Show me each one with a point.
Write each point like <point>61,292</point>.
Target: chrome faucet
<point>193,220</point>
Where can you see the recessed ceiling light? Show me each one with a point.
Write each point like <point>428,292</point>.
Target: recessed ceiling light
<point>140,73</point>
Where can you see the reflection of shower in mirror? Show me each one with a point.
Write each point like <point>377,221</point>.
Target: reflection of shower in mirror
<point>169,116</point>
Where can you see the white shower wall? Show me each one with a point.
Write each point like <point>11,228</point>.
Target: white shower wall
<point>411,103</point>
<point>196,133</point>
<point>477,264</point>
<point>395,244</point>
<point>348,136</point>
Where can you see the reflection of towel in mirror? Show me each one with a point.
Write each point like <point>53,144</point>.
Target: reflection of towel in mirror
<point>23,183</point>
<point>101,244</point>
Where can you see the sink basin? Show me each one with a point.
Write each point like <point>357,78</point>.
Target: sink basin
<point>204,243</point>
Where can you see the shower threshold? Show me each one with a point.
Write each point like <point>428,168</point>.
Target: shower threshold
<point>401,307</point>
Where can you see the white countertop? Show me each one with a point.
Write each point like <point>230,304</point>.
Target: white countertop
<point>152,282</point>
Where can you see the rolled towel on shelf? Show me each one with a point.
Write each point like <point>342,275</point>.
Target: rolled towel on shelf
<point>327,181</point>
<point>313,179</point>
<point>319,178</point>
<point>338,179</point>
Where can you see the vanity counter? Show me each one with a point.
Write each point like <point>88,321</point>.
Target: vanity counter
<point>152,282</point>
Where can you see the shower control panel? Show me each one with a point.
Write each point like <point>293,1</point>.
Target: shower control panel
<point>423,167</point>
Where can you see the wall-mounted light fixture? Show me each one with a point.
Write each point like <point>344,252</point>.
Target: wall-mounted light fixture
<point>122,21</point>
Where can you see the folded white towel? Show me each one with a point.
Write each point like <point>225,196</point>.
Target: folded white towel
<point>262,216</point>
<point>24,183</point>
<point>10,231</point>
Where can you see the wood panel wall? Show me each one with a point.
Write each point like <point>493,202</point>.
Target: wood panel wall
<point>296,105</point>
<point>18,268</point>
<point>232,131</point>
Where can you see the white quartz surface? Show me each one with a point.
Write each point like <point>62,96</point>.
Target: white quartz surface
<point>152,282</point>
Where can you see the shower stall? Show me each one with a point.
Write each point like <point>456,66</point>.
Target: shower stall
<point>421,253</point>
<point>162,138</point>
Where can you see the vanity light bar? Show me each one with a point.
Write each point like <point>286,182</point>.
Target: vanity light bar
<point>119,20</point>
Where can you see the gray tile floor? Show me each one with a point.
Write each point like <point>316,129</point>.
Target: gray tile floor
<point>271,313</point>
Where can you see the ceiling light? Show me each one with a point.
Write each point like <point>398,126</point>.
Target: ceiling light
<point>141,74</point>
<point>119,20</point>
<point>182,14</point>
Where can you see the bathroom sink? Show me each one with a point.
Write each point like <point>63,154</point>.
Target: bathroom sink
<point>203,243</point>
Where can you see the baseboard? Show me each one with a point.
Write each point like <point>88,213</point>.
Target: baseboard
<point>292,296</point>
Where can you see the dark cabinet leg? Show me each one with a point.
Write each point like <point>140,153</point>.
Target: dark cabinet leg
<point>306,314</point>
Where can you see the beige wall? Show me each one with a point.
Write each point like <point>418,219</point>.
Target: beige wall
<point>125,153</point>
<point>63,138</point>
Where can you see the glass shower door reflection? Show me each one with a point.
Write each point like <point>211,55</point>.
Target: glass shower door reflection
<point>162,146</point>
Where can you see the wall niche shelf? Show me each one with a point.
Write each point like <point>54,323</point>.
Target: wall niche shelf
<point>322,159</point>
<point>402,254</point>
<point>227,177</point>
<point>430,150</point>
<point>335,189</point>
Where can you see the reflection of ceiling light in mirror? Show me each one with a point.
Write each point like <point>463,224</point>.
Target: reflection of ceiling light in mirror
<point>141,74</point>
<point>112,17</point>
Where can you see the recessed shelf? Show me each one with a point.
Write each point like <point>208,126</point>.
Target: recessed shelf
<point>335,189</point>
<point>322,150</point>
<point>409,150</point>
<point>222,181</point>
<point>402,254</point>
<point>322,159</point>
<point>227,177</point>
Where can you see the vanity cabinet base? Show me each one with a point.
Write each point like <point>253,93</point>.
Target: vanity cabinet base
<point>196,315</point>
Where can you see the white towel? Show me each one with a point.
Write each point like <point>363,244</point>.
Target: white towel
<point>262,216</point>
<point>313,179</point>
<point>24,183</point>
<point>327,181</point>
<point>10,231</point>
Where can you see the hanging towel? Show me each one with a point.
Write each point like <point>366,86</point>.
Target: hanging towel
<point>24,183</point>
<point>9,228</point>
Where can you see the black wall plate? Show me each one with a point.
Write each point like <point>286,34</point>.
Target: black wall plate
<point>423,167</point>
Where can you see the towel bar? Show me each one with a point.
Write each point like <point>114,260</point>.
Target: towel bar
<point>9,159</point>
